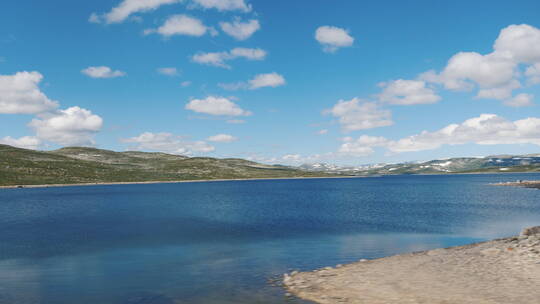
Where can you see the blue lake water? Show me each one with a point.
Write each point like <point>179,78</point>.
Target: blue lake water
<point>219,242</point>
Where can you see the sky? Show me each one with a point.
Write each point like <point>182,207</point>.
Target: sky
<point>344,82</point>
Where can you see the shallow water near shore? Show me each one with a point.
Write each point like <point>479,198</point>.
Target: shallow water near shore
<point>221,242</point>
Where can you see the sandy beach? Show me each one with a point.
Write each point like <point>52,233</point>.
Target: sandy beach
<point>499,271</point>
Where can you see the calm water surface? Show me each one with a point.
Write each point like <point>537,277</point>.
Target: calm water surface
<point>220,242</point>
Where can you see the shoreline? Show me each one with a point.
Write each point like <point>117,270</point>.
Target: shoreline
<point>505,270</point>
<point>532,184</point>
<point>521,183</point>
<point>170,182</point>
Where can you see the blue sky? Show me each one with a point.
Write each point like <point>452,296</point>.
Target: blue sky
<point>347,82</point>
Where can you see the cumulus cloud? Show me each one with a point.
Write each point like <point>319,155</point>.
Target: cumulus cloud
<point>363,146</point>
<point>168,71</point>
<point>240,30</point>
<point>259,81</point>
<point>102,72</point>
<point>465,69</point>
<point>222,138</point>
<point>128,7</point>
<point>167,143</point>
<point>72,126</point>
<point>224,5</point>
<point>356,114</point>
<point>182,25</point>
<point>218,59</point>
<point>266,80</point>
<point>520,100</point>
<point>486,129</point>
<point>495,75</point>
<point>25,142</point>
<point>20,94</point>
<point>214,105</point>
<point>533,74</point>
<point>521,42</point>
<point>407,92</point>
<point>332,38</point>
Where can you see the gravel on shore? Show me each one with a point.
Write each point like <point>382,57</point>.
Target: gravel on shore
<point>521,183</point>
<point>499,271</point>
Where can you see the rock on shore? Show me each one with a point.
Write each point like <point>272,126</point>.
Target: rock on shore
<point>499,271</point>
<point>521,183</point>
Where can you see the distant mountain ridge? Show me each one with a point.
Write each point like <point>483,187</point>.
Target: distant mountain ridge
<point>499,163</point>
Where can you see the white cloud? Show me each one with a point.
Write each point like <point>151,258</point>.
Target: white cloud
<point>214,105</point>
<point>168,71</point>
<point>486,129</point>
<point>168,143</point>
<point>465,69</point>
<point>240,30</point>
<point>218,58</point>
<point>224,5</point>
<point>25,142</point>
<point>222,138</point>
<point>501,92</point>
<point>102,72</point>
<point>533,73</point>
<point>181,25</point>
<point>522,42</point>
<point>332,38</point>
<point>520,100</point>
<point>266,80</point>
<point>185,84</point>
<point>356,114</point>
<point>363,146</point>
<point>259,81</point>
<point>497,74</point>
<point>408,92</point>
<point>128,7</point>
<point>72,126</point>
<point>20,94</point>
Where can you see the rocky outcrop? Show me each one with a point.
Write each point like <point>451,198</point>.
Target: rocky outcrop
<point>530,231</point>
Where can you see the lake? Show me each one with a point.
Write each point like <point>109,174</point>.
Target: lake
<point>220,242</point>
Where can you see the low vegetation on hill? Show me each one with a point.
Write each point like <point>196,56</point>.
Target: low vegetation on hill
<point>89,165</point>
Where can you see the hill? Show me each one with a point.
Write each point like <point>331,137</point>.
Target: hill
<point>89,165</point>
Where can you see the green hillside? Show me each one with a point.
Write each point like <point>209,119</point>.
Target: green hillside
<point>88,165</point>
